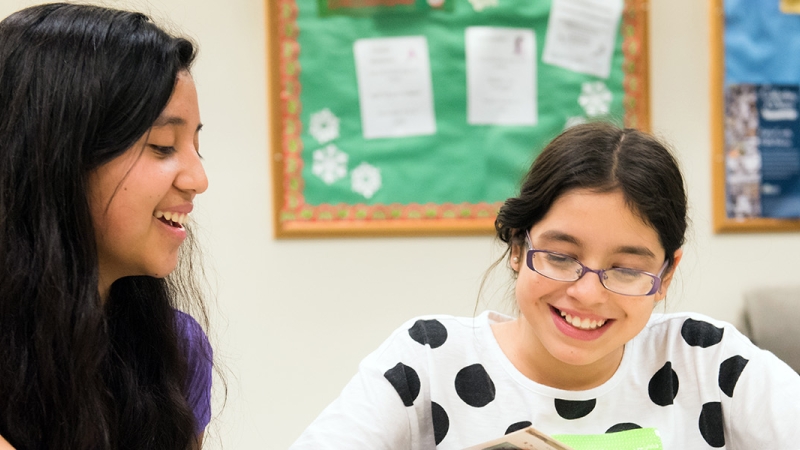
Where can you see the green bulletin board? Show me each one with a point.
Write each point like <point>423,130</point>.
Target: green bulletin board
<point>452,181</point>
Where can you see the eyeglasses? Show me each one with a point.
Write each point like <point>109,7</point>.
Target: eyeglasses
<point>620,280</point>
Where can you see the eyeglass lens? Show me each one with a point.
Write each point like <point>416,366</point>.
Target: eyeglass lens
<point>564,268</point>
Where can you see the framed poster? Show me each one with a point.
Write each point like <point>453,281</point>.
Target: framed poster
<point>755,54</point>
<point>420,117</point>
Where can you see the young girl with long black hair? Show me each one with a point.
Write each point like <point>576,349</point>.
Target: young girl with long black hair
<point>99,167</point>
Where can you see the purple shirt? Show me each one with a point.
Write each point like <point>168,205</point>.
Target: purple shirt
<point>199,356</point>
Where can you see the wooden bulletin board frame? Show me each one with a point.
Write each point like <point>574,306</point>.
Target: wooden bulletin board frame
<point>295,217</point>
<point>720,55</point>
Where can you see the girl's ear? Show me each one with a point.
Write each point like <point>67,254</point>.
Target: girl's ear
<point>666,279</point>
<point>515,258</point>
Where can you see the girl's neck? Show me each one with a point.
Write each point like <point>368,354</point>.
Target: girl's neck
<point>521,346</point>
<point>103,289</point>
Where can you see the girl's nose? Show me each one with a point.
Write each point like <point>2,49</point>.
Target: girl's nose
<point>192,176</point>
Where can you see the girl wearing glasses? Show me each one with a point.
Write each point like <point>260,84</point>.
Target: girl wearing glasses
<point>99,167</point>
<point>594,238</point>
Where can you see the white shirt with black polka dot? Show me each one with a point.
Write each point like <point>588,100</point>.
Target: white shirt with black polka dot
<point>443,382</point>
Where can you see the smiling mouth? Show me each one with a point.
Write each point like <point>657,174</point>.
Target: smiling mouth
<point>175,220</point>
<point>581,324</point>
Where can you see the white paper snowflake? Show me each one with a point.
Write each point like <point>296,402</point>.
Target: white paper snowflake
<point>595,98</point>
<point>324,126</point>
<point>365,179</point>
<point>574,120</point>
<point>480,5</point>
<point>330,164</point>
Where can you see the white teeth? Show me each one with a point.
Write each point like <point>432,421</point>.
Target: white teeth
<point>173,217</point>
<point>585,324</point>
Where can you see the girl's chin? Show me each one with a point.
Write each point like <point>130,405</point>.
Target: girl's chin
<point>163,270</point>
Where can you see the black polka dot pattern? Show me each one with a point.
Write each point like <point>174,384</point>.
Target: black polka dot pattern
<point>572,409</point>
<point>475,386</point>
<point>627,426</point>
<point>405,381</point>
<point>517,426</point>
<point>729,372</point>
<point>663,387</point>
<point>711,424</point>
<point>430,332</point>
<point>697,353</point>
<point>698,333</point>
<point>441,423</point>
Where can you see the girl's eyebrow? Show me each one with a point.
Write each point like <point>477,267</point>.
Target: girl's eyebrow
<point>554,235</point>
<point>558,236</point>
<point>636,250</point>
<point>164,121</point>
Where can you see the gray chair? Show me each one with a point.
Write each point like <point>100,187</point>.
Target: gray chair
<point>771,319</point>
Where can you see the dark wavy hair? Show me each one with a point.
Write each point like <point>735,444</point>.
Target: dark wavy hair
<point>602,157</point>
<point>79,85</point>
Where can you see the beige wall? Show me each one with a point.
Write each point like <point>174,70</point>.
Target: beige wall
<point>293,318</point>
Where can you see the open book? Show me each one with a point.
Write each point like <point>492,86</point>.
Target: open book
<point>525,439</point>
<point>532,439</point>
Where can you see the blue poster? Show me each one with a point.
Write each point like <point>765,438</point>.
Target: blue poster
<point>778,143</point>
<point>762,128</point>
<point>762,151</point>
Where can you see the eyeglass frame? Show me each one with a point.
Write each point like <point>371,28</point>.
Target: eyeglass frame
<point>584,269</point>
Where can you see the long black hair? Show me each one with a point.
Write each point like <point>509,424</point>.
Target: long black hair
<point>602,157</point>
<point>79,85</point>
